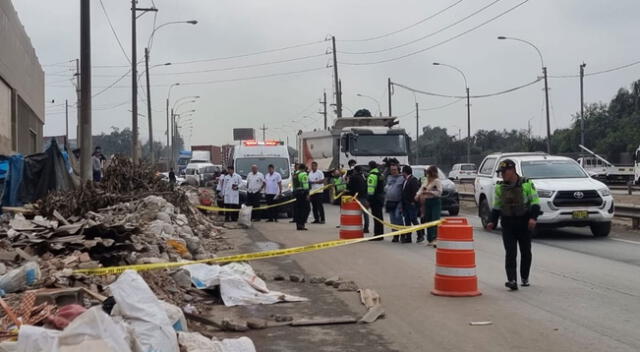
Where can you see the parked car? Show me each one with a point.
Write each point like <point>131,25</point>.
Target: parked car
<point>179,179</point>
<point>461,172</point>
<point>450,197</point>
<point>568,196</point>
<point>201,174</point>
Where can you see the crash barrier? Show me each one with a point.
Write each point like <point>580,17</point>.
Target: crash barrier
<point>350,219</point>
<point>286,202</point>
<point>250,256</point>
<point>455,260</point>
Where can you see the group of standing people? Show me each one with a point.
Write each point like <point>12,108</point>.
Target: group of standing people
<point>307,190</point>
<point>406,199</point>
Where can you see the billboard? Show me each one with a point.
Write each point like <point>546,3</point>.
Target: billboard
<point>243,134</point>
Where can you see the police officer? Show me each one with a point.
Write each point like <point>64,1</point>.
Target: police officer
<point>516,201</point>
<point>301,192</point>
<point>375,192</point>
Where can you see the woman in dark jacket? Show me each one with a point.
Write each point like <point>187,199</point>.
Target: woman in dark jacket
<point>410,207</point>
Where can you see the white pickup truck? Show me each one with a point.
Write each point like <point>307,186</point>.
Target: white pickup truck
<point>568,196</point>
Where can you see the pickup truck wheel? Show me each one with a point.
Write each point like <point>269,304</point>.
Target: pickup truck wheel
<point>454,211</point>
<point>601,229</point>
<point>484,212</point>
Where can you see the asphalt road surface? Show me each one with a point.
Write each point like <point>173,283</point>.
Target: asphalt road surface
<point>585,293</point>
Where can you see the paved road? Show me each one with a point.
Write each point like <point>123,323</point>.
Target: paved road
<point>585,293</point>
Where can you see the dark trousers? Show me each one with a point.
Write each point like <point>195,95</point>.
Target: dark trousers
<point>376,205</point>
<point>220,203</point>
<point>302,208</point>
<point>271,213</point>
<point>410,214</point>
<point>515,232</point>
<point>233,215</point>
<point>318,208</point>
<point>432,212</point>
<point>253,199</point>
<point>97,176</point>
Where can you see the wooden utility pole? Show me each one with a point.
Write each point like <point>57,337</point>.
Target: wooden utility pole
<point>417,133</point>
<point>324,108</point>
<point>336,78</point>
<point>85,90</point>
<point>389,93</point>
<point>582,103</point>
<point>150,121</point>
<point>66,123</point>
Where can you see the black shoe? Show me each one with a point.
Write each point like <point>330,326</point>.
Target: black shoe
<point>256,220</point>
<point>275,220</point>
<point>301,228</point>
<point>512,285</point>
<point>395,239</point>
<point>321,222</point>
<point>292,221</point>
<point>270,220</point>
<point>316,222</point>
<point>405,239</point>
<point>525,283</point>
<point>420,239</point>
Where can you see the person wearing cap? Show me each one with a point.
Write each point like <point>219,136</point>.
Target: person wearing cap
<point>516,202</point>
<point>301,193</point>
<point>375,193</point>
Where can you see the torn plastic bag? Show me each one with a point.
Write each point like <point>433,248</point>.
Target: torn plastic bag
<point>20,278</point>
<point>195,342</point>
<point>95,328</point>
<point>140,308</point>
<point>37,339</point>
<point>176,316</point>
<point>204,275</point>
<point>244,218</point>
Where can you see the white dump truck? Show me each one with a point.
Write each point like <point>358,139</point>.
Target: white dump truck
<point>603,170</point>
<point>359,138</point>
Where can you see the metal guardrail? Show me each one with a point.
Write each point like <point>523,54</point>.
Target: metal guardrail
<point>628,211</point>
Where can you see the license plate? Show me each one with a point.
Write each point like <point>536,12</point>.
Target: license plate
<point>580,214</point>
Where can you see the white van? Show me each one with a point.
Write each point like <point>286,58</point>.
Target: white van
<point>461,172</point>
<point>201,174</point>
<point>262,154</point>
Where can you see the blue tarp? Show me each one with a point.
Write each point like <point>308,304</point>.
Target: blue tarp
<point>13,181</point>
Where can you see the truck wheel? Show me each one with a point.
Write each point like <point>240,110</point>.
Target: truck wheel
<point>454,211</point>
<point>484,212</point>
<point>601,229</point>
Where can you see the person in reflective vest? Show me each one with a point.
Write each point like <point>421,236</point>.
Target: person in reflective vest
<point>301,193</point>
<point>516,201</point>
<point>375,193</point>
<point>339,186</point>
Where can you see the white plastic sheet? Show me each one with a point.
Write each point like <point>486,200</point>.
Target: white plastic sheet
<point>140,308</point>
<point>195,342</point>
<point>239,285</point>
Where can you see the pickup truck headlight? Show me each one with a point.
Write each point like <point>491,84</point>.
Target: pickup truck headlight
<point>544,193</point>
<point>605,192</point>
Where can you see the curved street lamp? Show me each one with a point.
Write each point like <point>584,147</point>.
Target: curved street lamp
<point>374,99</point>
<point>546,85</point>
<point>466,86</point>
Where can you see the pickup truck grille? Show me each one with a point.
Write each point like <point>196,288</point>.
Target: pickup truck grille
<point>589,198</point>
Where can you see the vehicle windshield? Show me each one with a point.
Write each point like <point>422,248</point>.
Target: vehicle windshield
<point>379,144</point>
<point>183,161</point>
<point>190,171</point>
<point>552,169</point>
<point>468,167</point>
<point>243,165</point>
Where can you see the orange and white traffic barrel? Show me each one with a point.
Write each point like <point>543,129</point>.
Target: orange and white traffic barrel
<point>350,219</point>
<point>455,260</point>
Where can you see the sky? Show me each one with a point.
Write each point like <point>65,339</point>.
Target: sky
<point>281,86</point>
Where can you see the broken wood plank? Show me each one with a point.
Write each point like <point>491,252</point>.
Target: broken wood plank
<point>60,218</point>
<point>95,295</point>
<point>324,321</point>
<point>372,314</point>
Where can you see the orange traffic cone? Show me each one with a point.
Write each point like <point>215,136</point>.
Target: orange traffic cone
<point>350,219</point>
<point>455,260</point>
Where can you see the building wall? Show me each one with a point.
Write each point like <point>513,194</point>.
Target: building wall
<point>22,80</point>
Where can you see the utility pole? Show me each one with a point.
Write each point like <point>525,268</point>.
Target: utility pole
<point>173,136</point>
<point>389,93</point>
<point>468,127</point>
<point>168,131</point>
<point>324,108</point>
<point>66,123</point>
<point>336,78</point>
<point>78,109</point>
<point>417,133</point>
<point>582,103</point>
<point>85,94</point>
<point>546,101</point>
<point>150,121</point>
<point>264,132</point>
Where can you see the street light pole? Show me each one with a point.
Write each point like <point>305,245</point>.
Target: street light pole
<point>582,103</point>
<point>546,85</point>
<point>374,99</point>
<point>169,128</point>
<point>466,85</point>
<point>150,120</point>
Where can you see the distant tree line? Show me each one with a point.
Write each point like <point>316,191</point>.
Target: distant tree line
<point>610,130</point>
<point>119,142</point>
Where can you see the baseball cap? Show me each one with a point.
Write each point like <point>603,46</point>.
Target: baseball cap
<point>505,165</point>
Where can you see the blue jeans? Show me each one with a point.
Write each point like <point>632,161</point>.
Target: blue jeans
<point>395,213</point>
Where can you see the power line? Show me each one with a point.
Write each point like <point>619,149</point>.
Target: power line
<point>424,36</point>
<point>106,15</point>
<point>112,84</point>
<point>432,108</point>
<point>254,77</point>
<point>404,28</point>
<point>599,72</point>
<point>438,44</point>
<point>244,66</point>
<point>464,97</point>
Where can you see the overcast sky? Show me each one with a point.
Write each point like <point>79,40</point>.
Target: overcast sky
<point>601,33</point>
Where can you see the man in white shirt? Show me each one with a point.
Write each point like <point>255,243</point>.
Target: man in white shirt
<point>255,184</point>
<point>316,180</point>
<point>273,189</point>
<point>220,195</point>
<point>231,192</point>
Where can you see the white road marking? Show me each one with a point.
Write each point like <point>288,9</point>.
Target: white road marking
<point>626,241</point>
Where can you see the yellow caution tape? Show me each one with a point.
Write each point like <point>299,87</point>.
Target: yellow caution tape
<point>212,208</point>
<point>393,226</point>
<point>251,256</point>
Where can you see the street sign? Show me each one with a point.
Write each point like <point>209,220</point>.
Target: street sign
<point>242,134</point>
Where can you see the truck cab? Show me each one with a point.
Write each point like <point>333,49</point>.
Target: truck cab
<point>184,158</point>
